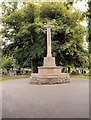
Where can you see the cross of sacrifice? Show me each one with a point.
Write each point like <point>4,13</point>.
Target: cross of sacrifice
<point>48,26</point>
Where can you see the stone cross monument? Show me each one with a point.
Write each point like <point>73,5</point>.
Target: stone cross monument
<point>49,73</point>
<point>49,60</point>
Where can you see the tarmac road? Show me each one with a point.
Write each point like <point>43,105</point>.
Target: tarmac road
<point>24,100</point>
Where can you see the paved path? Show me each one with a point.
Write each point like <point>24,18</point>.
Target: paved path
<point>24,100</point>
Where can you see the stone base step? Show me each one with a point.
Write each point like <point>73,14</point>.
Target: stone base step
<point>50,79</point>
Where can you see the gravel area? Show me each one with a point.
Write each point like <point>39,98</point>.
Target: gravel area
<point>20,99</point>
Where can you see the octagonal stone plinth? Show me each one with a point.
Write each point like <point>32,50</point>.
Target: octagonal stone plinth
<point>49,73</point>
<point>49,78</point>
<point>52,70</point>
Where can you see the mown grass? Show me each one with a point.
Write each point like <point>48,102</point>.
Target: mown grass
<point>81,76</point>
<point>3,78</point>
<point>13,77</point>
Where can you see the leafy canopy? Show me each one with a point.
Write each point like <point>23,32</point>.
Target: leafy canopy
<point>25,29</point>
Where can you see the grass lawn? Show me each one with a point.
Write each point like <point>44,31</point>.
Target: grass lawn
<point>13,77</point>
<point>28,76</point>
<point>80,76</point>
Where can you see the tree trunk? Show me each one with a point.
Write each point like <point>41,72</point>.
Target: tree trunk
<point>34,65</point>
<point>68,69</point>
<point>58,60</point>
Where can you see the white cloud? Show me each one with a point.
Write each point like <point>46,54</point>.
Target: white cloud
<point>1,1</point>
<point>84,23</point>
<point>81,5</point>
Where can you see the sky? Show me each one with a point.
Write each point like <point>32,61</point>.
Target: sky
<point>81,5</point>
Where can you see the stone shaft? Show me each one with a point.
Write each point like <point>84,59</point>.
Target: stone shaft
<point>49,41</point>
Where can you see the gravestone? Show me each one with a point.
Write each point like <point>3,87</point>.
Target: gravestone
<point>49,73</point>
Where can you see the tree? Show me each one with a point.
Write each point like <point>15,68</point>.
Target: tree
<point>8,63</point>
<point>89,32</point>
<point>89,24</point>
<point>68,35</point>
<point>29,35</point>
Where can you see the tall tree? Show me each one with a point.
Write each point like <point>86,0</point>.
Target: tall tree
<point>68,33</point>
<point>89,31</point>
<point>89,24</point>
<point>29,35</point>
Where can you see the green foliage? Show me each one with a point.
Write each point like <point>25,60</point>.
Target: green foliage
<point>26,32</point>
<point>89,30</point>
<point>14,77</point>
<point>8,63</point>
<point>68,33</point>
<point>89,26</point>
<point>8,7</point>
